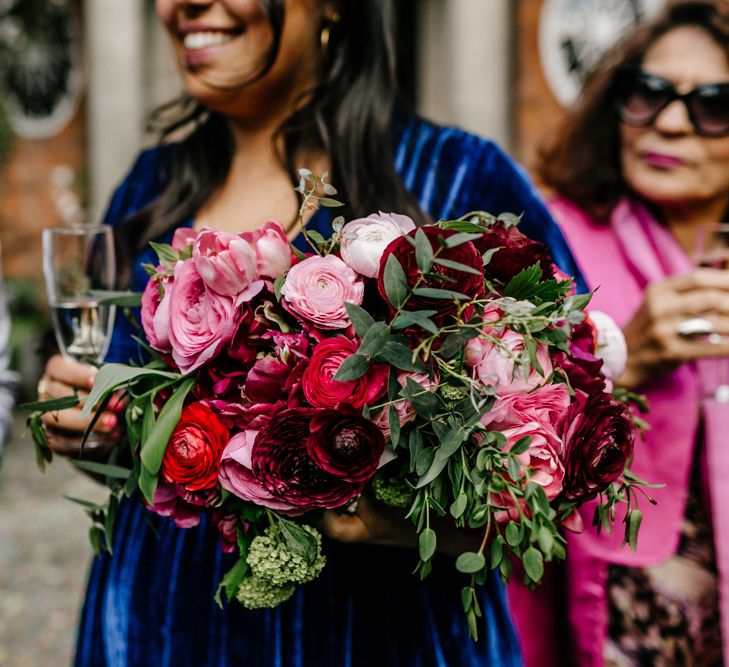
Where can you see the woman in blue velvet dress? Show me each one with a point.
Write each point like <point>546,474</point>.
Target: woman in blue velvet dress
<point>272,85</point>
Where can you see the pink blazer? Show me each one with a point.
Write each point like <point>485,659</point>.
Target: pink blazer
<point>619,259</point>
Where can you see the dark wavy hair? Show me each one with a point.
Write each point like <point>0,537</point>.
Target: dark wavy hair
<point>582,161</point>
<point>350,116</point>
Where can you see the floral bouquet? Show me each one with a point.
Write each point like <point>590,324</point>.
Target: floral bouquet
<point>447,370</point>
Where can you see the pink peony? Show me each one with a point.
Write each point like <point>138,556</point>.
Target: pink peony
<point>155,313</point>
<point>272,248</point>
<point>227,263</point>
<point>364,240</point>
<point>201,321</point>
<point>504,364</point>
<point>236,475</point>
<point>317,288</point>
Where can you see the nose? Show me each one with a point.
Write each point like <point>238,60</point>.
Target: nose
<point>674,119</point>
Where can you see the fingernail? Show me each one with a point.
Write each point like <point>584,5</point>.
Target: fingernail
<point>115,404</point>
<point>109,421</point>
<point>92,377</point>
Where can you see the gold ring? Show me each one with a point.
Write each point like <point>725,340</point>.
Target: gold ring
<point>42,387</point>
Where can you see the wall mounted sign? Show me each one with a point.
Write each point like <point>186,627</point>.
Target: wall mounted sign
<point>573,35</point>
<point>40,64</point>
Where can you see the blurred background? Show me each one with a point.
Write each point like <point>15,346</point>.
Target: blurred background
<point>77,80</point>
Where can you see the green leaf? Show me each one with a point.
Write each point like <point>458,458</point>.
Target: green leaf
<point>489,254</point>
<point>497,551</point>
<point>299,540</point>
<point>352,368</point>
<point>457,266</point>
<point>147,484</point>
<point>522,444</point>
<point>112,376</point>
<point>462,226</point>
<point>375,338</point>
<point>231,582</point>
<point>460,239</point>
<point>123,299</point>
<point>415,445</point>
<point>523,284</point>
<point>425,460</point>
<point>470,562</point>
<point>447,448</point>
<point>427,544</point>
<point>328,202</point>
<point>545,539</point>
<point>419,317</point>
<point>362,321</point>
<point>52,404</point>
<point>533,564</point>
<point>401,357</point>
<point>423,252</point>
<point>165,252</point>
<point>277,285</point>
<point>96,537</point>
<point>105,469</point>
<point>458,506</point>
<point>445,294</point>
<point>393,421</point>
<point>396,282</point>
<point>513,534</point>
<point>154,447</point>
<point>451,346</point>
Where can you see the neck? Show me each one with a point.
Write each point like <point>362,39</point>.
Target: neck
<point>685,220</point>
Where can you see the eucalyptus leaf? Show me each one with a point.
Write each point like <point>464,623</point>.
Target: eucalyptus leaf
<point>401,357</point>
<point>533,564</point>
<point>393,421</point>
<point>231,582</point>
<point>470,562</point>
<point>375,338</point>
<point>352,368</point>
<point>427,543</point>
<point>362,321</point>
<point>458,506</point>
<point>396,283</point>
<point>460,239</point>
<point>423,252</point>
<point>445,294</point>
<point>457,266</point>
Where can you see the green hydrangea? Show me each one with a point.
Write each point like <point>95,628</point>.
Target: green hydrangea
<point>271,558</point>
<point>392,491</point>
<point>256,593</point>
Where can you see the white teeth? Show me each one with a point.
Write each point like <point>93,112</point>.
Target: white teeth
<point>203,40</point>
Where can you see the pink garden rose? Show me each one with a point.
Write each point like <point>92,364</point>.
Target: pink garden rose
<point>364,240</point>
<point>272,248</point>
<point>236,475</point>
<point>183,238</point>
<point>547,405</point>
<point>201,321</point>
<point>155,313</point>
<point>504,364</point>
<point>227,263</point>
<point>316,289</point>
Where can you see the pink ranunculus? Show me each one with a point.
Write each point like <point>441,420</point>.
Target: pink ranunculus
<point>541,459</point>
<point>183,238</point>
<point>364,240</point>
<point>272,248</point>
<point>504,364</point>
<point>317,288</point>
<point>201,321</point>
<point>227,263</point>
<point>404,408</point>
<point>167,502</point>
<point>237,477</point>
<point>547,405</point>
<point>155,313</point>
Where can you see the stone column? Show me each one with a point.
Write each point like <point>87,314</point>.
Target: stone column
<point>465,65</point>
<point>114,56</point>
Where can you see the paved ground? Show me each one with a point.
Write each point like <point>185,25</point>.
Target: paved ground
<point>44,555</point>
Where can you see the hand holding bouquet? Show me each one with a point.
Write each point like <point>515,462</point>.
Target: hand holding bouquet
<point>447,370</point>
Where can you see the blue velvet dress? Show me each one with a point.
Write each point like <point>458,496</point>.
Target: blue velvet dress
<point>151,603</point>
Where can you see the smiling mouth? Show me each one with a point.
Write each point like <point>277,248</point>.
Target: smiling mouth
<point>194,41</point>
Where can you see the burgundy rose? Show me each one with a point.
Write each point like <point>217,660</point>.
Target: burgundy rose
<point>472,285</point>
<point>516,252</point>
<point>316,458</point>
<point>583,371</point>
<point>192,458</point>
<point>323,391</point>
<point>276,374</point>
<point>598,437</point>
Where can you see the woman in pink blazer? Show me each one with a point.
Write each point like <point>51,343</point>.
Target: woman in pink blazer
<point>640,165</point>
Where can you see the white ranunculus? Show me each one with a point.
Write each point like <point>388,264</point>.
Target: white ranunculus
<point>364,240</point>
<point>611,346</point>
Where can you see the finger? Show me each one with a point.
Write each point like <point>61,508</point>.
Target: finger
<point>56,389</point>
<point>70,372</point>
<point>703,301</point>
<point>702,278</point>
<point>71,420</point>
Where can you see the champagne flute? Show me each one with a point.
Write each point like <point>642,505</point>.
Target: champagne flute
<point>78,263</point>
<point>712,251</point>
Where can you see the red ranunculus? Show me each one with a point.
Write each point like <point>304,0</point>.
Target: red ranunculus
<point>192,458</point>
<point>472,285</point>
<point>323,391</point>
<point>598,437</point>
<point>516,252</point>
<point>323,469</point>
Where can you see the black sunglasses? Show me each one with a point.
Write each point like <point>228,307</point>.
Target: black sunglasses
<point>640,97</point>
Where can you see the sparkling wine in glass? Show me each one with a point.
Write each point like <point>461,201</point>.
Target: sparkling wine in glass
<point>79,264</point>
<point>712,251</point>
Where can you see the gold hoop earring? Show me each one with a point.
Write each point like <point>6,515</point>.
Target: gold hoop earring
<point>326,30</point>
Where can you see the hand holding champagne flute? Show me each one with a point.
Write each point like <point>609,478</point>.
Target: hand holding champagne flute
<point>78,263</point>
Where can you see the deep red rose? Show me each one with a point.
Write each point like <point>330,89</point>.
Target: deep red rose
<point>598,437</point>
<point>346,445</point>
<point>323,391</point>
<point>584,371</point>
<point>192,458</point>
<point>471,285</point>
<point>282,461</point>
<point>516,252</point>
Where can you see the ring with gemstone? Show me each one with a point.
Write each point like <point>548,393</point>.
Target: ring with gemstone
<point>693,327</point>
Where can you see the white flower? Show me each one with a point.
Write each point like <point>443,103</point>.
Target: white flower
<point>364,240</point>
<point>611,346</point>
